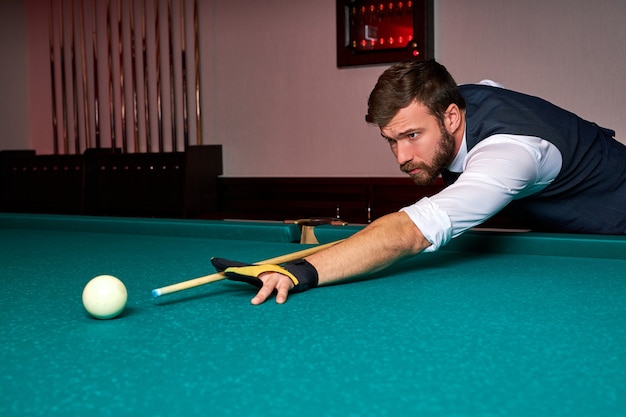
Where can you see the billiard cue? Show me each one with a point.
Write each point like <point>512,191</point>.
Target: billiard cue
<point>120,42</point>
<point>110,63</point>
<point>133,59</point>
<point>74,65</point>
<point>83,61</point>
<point>146,73</point>
<point>196,282</point>
<point>197,71</point>
<point>55,133</point>
<point>183,65</point>
<point>172,78</point>
<point>159,86</point>
<point>96,80</point>
<point>63,70</point>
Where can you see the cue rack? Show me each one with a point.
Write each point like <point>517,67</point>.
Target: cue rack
<point>125,75</point>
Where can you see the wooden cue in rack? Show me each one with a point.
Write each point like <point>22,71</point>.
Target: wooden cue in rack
<point>196,282</point>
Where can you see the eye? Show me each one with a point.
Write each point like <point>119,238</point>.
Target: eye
<point>412,135</point>
<point>391,141</point>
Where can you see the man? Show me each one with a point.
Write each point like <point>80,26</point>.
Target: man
<point>510,149</point>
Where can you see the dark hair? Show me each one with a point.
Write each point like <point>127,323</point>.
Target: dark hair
<point>428,82</point>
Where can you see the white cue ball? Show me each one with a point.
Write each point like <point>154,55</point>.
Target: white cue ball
<point>104,297</point>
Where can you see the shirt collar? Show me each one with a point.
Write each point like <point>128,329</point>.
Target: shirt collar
<point>459,159</point>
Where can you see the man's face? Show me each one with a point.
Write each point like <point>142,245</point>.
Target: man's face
<point>421,145</point>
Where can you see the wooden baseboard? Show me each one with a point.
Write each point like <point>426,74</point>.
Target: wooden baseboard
<point>353,199</point>
<point>356,200</point>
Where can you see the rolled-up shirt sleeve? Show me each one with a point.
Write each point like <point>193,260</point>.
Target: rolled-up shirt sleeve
<point>496,172</point>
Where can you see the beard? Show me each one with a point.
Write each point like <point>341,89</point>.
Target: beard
<point>444,154</point>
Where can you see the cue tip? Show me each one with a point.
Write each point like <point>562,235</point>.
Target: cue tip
<point>156,293</point>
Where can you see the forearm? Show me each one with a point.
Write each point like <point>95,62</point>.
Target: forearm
<point>380,244</point>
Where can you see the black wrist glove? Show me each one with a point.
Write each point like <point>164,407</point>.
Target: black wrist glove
<point>301,272</point>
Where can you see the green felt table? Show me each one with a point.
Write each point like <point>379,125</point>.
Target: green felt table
<point>495,324</point>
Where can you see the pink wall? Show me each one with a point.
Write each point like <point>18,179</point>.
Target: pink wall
<point>273,97</point>
<point>39,91</point>
<point>13,77</point>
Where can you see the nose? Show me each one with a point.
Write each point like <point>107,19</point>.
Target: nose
<point>403,152</point>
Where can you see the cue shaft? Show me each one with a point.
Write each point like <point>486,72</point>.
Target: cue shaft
<point>196,282</point>
<point>197,71</point>
<point>55,133</point>
<point>110,63</point>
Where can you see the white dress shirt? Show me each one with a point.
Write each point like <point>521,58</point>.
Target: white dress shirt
<point>499,169</point>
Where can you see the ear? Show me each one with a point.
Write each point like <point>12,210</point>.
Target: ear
<point>453,118</point>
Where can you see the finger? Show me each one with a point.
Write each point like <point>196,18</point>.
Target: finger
<point>273,281</point>
<point>284,285</point>
<point>282,290</point>
<point>270,281</point>
<point>263,294</point>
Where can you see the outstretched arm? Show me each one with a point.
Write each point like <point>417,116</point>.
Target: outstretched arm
<point>383,242</point>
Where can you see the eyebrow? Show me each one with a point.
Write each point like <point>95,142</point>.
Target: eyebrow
<point>401,134</point>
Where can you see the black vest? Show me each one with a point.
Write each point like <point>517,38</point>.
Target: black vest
<point>593,173</point>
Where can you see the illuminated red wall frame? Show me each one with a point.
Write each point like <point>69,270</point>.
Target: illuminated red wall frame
<point>376,32</point>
